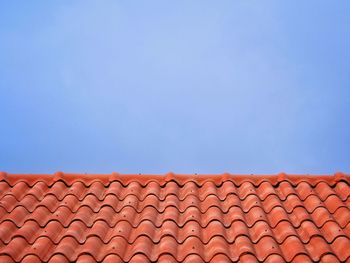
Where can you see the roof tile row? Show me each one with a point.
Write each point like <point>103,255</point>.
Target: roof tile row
<point>30,203</point>
<point>71,249</point>
<point>59,189</point>
<point>31,231</point>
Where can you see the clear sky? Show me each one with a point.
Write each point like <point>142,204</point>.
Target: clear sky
<point>182,86</point>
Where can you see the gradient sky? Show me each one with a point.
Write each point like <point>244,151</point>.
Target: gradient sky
<point>182,86</point>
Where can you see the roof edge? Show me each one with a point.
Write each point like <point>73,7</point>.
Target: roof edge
<point>181,179</point>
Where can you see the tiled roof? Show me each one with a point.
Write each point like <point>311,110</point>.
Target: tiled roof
<point>173,218</point>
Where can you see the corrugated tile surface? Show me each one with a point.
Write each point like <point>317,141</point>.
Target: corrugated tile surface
<point>174,218</point>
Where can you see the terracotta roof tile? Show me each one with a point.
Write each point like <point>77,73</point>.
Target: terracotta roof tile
<point>174,218</point>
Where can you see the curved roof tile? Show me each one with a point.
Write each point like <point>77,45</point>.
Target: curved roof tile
<point>174,218</point>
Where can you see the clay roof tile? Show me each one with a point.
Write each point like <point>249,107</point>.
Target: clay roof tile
<point>174,218</point>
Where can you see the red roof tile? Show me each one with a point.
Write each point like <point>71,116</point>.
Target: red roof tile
<point>174,218</point>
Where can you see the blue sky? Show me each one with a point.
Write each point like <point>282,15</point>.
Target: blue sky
<point>182,86</point>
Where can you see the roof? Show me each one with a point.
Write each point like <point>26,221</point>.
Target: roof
<point>174,218</point>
